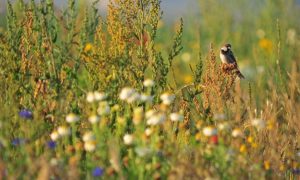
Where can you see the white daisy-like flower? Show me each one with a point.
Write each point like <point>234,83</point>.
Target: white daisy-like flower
<point>150,113</point>
<point>209,131</point>
<point>126,93</point>
<point>148,83</point>
<point>128,139</point>
<point>258,123</point>
<point>146,98</point>
<point>90,97</point>
<point>148,131</point>
<point>133,98</point>
<point>63,131</point>
<point>167,98</point>
<point>71,118</point>
<point>176,117</point>
<point>156,119</point>
<point>88,136</point>
<point>237,133</point>
<point>54,136</point>
<point>103,108</point>
<point>94,119</point>
<point>142,151</point>
<point>223,126</point>
<point>90,146</point>
<point>99,96</point>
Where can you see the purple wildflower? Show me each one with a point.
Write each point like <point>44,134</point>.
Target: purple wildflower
<point>18,141</point>
<point>51,144</point>
<point>26,114</point>
<point>98,171</point>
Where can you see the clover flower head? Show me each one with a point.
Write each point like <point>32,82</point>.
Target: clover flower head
<point>71,118</point>
<point>148,83</point>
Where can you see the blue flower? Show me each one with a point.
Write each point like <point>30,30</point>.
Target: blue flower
<point>26,114</point>
<point>296,171</point>
<point>51,144</point>
<point>18,141</point>
<point>98,171</point>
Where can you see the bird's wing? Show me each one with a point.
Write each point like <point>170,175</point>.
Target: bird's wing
<point>231,57</point>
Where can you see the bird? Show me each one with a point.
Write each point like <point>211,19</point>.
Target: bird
<point>229,60</point>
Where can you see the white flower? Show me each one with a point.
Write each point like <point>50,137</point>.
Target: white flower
<point>258,123</point>
<point>176,117</point>
<point>167,98</point>
<point>150,113</point>
<point>146,98</point>
<point>156,119</point>
<point>237,133</point>
<point>90,146</point>
<point>223,126</point>
<point>219,116</point>
<point>94,119</point>
<point>53,162</point>
<point>209,131</point>
<point>88,136</point>
<point>54,135</point>
<point>148,83</point>
<point>63,130</point>
<point>90,97</point>
<point>134,97</point>
<point>99,96</point>
<point>103,108</point>
<point>128,139</point>
<point>126,93</point>
<point>148,131</point>
<point>71,118</point>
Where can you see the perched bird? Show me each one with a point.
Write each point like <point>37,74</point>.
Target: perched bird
<point>229,60</point>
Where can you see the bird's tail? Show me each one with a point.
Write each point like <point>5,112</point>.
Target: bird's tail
<point>239,74</point>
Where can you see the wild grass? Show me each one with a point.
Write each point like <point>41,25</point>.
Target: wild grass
<point>85,96</point>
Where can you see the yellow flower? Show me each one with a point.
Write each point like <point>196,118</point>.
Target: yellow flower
<point>188,79</point>
<point>267,165</point>
<point>250,139</point>
<point>243,148</point>
<point>266,44</point>
<point>88,47</point>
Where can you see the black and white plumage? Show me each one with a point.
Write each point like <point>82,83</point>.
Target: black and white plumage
<point>228,58</point>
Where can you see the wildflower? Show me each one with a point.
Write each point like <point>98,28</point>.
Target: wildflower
<point>128,139</point>
<point>88,47</point>
<point>94,119</point>
<point>71,118</point>
<point>167,98</point>
<point>18,141</point>
<point>138,115</point>
<point>267,165</point>
<point>176,117</point>
<point>186,57</point>
<point>90,97</point>
<point>54,135</point>
<point>243,148</point>
<point>237,133</point>
<point>88,136</point>
<point>51,144</point>
<point>209,131</point>
<point>98,171</point>
<point>188,79</point>
<point>266,44</point>
<point>219,116</point>
<point>90,146</point>
<point>63,130</point>
<point>103,108</point>
<point>54,162</point>
<point>99,96</point>
<point>142,151</point>
<point>150,113</point>
<point>156,119</point>
<point>214,139</point>
<point>258,123</point>
<point>148,131</point>
<point>146,98</point>
<point>126,93</point>
<point>148,83</point>
<point>26,114</point>
<point>134,97</point>
<point>250,139</point>
<point>223,126</point>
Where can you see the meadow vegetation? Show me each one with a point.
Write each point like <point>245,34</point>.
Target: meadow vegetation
<point>130,96</point>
